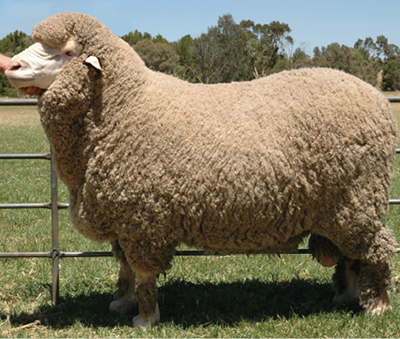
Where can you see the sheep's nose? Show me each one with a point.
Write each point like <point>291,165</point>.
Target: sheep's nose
<point>14,65</point>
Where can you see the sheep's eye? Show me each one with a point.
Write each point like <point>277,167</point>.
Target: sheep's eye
<point>70,53</point>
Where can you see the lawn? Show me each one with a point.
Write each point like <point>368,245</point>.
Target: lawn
<point>211,296</point>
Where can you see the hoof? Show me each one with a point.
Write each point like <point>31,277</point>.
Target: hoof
<point>381,305</point>
<point>349,296</point>
<point>122,306</point>
<point>140,322</point>
<point>345,299</point>
<point>379,310</point>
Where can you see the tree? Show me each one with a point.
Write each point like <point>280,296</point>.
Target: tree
<point>184,47</point>
<point>267,45</point>
<point>132,38</point>
<point>300,59</point>
<point>368,48</point>
<point>380,57</point>
<point>15,43</point>
<point>391,74</point>
<point>236,52</point>
<point>206,67</point>
<point>232,55</point>
<point>220,54</point>
<point>11,45</point>
<point>159,39</point>
<point>158,57</point>
<point>359,60</point>
<point>230,52</point>
<point>391,67</point>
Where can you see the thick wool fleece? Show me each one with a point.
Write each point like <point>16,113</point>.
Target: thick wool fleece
<point>152,161</point>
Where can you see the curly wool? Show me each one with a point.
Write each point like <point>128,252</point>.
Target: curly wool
<point>152,161</point>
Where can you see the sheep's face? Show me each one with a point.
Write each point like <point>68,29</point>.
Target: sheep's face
<point>38,65</point>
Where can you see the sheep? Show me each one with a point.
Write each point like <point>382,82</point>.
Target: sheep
<point>151,161</point>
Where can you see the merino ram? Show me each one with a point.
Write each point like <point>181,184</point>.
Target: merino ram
<point>152,161</point>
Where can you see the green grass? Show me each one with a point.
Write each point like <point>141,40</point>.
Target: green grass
<point>230,296</point>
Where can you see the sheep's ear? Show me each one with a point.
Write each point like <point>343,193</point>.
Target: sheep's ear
<point>92,60</point>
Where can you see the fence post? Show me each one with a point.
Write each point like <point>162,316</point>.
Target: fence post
<point>55,254</point>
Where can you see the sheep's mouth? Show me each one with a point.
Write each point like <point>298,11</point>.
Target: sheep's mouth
<point>33,90</point>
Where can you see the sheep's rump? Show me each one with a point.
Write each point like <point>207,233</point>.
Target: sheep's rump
<point>244,166</point>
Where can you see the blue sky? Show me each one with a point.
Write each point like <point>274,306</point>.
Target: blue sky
<point>313,22</point>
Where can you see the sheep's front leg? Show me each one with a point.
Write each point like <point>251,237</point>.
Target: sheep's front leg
<point>345,281</point>
<point>149,313</point>
<point>126,298</point>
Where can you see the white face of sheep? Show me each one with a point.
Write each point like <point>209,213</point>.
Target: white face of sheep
<point>39,64</point>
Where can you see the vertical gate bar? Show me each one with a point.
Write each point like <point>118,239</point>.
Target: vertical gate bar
<point>54,230</point>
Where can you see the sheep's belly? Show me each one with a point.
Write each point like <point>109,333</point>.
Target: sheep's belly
<point>262,239</point>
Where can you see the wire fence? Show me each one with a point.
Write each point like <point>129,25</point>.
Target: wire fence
<point>55,253</point>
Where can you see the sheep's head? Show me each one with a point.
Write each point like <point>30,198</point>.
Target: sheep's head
<point>57,42</point>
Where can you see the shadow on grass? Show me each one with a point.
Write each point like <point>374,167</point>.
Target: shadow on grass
<point>188,304</point>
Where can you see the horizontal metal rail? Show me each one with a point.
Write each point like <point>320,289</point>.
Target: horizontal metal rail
<point>62,254</point>
<point>45,156</point>
<point>45,205</point>
<point>11,255</point>
<point>185,253</point>
<point>394,201</point>
<point>18,102</point>
<point>393,98</point>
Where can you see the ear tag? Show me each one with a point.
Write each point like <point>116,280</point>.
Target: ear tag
<point>92,60</point>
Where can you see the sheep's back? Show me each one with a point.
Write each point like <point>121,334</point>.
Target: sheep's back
<point>246,166</point>
<point>306,118</point>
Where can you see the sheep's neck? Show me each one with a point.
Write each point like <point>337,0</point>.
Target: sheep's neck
<point>67,141</point>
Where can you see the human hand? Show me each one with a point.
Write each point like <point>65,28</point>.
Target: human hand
<point>4,60</point>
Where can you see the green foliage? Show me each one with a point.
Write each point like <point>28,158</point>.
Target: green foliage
<point>236,52</point>
<point>12,44</point>
<point>368,60</point>
<point>231,51</point>
<point>391,66</point>
<point>132,38</point>
<point>158,56</point>
<point>356,61</point>
<point>157,53</point>
<point>245,51</point>
<point>184,47</point>
<point>266,45</point>
<point>15,43</point>
<point>391,74</point>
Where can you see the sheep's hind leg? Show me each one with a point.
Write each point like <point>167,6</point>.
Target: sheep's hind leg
<point>374,284</point>
<point>149,313</point>
<point>126,298</point>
